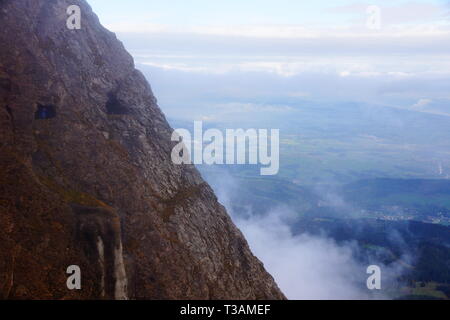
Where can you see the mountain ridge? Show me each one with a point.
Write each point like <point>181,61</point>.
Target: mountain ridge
<point>87,178</point>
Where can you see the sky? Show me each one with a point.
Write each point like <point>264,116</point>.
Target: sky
<point>208,53</point>
<point>260,12</point>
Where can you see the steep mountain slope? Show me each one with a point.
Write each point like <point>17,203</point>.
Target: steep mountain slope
<point>86,176</point>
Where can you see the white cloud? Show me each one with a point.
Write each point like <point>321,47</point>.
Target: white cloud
<point>421,104</point>
<point>304,266</point>
<point>401,66</point>
<point>190,95</point>
<point>252,107</point>
<point>280,31</point>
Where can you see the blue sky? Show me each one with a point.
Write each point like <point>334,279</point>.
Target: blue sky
<point>216,57</point>
<point>207,12</point>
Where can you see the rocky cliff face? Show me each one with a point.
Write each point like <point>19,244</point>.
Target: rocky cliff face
<point>86,177</point>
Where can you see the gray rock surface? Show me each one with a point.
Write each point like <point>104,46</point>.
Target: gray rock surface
<point>93,185</point>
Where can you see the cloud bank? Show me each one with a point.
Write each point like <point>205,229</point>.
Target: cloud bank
<point>304,266</point>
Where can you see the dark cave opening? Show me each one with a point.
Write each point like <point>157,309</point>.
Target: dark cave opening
<point>115,106</point>
<point>45,112</point>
